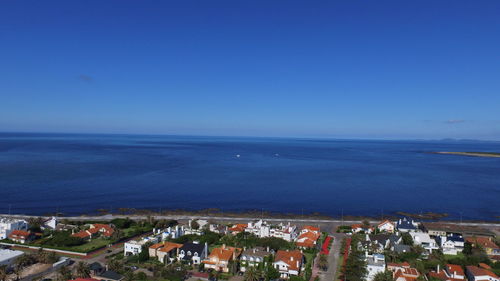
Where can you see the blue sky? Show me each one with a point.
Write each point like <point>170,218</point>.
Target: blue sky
<point>343,69</point>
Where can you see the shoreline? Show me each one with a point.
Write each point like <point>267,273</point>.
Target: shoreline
<point>215,214</point>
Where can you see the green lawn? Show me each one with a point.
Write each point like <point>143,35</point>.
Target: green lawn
<point>93,244</point>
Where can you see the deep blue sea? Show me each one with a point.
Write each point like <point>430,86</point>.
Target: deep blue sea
<point>74,174</point>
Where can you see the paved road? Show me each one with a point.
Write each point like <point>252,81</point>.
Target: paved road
<point>217,218</point>
<point>333,259</point>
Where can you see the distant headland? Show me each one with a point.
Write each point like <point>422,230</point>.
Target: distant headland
<point>474,154</point>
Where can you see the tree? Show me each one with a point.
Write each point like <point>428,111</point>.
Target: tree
<point>64,274</point>
<point>366,223</point>
<point>195,224</point>
<point>3,272</point>
<point>407,240</point>
<point>252,274</point>
<point>82,270</point>
<point>383,276</point>
<point>467,248</point>
<point>323,262</point>
<point>355,267</point>
<point>114,265</point>
<point>144,254</point>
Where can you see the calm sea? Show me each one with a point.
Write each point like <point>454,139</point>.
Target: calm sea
<point>74,174</point>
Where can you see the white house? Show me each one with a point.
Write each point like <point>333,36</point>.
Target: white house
<point>134,247</point>
<point>50,223</point>
<point>259,228</point>
<point>424,240</point>
<point>386,226</point>
<point>374,264</point>
<point>285,231</point>
<point>8,257</point>
<point>451,244</point>
<point>8,225</point>
<point>172,232</point>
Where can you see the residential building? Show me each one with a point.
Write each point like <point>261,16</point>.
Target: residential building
<point>221,258</point>
<point>50,223</point>
<point>95,230</point>
<point>288,263</point>
<point>486,243</point>
<point>193,253</point>
<point>374,264</point>
<point>286,232</point>
<point>21,236</point>
<point>400,248</point>
<point>172,232</point>
<point>259,228</point>
<point>357,228</point>
<point>451,244</point>
<point>443,229</point>
<point>308,237</point>
<point>475,273</point>
<point>109,275</point>
<point>403,271</point>
<point>188,229</point>
<point>166,252</point>
<point>406,225</point>
<point>452,272</point>
<point>253,257</point>
<point>7,225</point>
<point>238,228</point>
<point>386,226</point>
<point>218,228</point>
<point>424,240</point>
<point>8,257</point>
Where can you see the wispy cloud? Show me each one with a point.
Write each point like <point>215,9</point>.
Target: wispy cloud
<point>85,78</point>
<point>454,121</point>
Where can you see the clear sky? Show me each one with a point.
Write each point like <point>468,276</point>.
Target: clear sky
<point>344,69</point>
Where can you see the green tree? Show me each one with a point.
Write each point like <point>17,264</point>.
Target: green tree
<point>383,276</point>
<point>64,274</point>
<point>323,262</point>
<point>195,224</point>
<point>407,240</point>
<point>252,274</point>
<point>82,270</point>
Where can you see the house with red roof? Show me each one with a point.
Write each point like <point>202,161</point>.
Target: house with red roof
<point>357,228</point>
<point>21,236</point>
<point>475,273</point>
<point>238,228</point>
<point>166,252</point>
<point>486,243</point>
<point>403,271</point>
<point>308,237</point>
<point>220,258</point>
<point>288,263</point>
<point>95,230</point>
<point>451,272</point>
<point>386,226</point>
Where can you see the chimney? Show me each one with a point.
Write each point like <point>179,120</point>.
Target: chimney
<point>267,249</point>
<point>291,258</point>
<point>438,268</point>
<point>297,264</point>
<point>223,246</point>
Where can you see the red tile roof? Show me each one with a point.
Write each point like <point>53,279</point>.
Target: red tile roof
<point>311,228</point>
<point>451,268</point>
<point>483,241</point>
<point>17,234</point>
<point>225,253</point>
<point>240,227</point>
<point>477,271</point>
<point>291,258</point>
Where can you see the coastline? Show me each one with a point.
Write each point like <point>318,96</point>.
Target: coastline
<point>214,213</point>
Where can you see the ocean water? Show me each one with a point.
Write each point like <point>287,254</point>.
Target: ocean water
<point>74,174</point>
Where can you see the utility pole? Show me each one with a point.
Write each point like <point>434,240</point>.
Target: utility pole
<point>342,217</point>
<point>10,205</point>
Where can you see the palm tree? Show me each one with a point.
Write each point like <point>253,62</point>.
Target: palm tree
<point>64,274</point>
<point>252,274</point>
<point>323,262</point>
<point>82,270</point>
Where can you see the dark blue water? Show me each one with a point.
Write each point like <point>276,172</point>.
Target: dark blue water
<point>74,174</point>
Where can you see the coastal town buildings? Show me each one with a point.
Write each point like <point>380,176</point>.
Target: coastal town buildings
<point>220,259</point>
<point>451,272</point>
<point>288,263</point>
<point>166,252</point>
<point>451,244</point>
<point>374,264</point>
<point>475,273</point>
<point>95,230</point>
<point>21,236</point>
<point>286,232</point>
<point>424,240</point>
<point>406,225</point>
<point>7,225</point>
<point>253,257</point>
<point>486,243</point>
<point>308,237</point>
<point>386,226</point>
<point>403,271</point>
<point>8,257</point>
<point>193,253</point>
<point>357,228</point>
<point>259,228</point>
